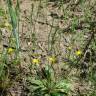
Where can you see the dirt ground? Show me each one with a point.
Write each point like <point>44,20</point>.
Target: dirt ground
<point>46,17</point>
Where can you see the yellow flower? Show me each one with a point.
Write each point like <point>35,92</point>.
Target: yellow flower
<point>10,50</point>
<point>35,61</point>
<point>7,24</point>
<point>69,48</point>
<point>52,59</point>
<point>79,52</point>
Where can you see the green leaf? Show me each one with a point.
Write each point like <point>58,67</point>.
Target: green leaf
<point>57,94</point>
<point>35,82</point>
<point>49,73</point>
<point>12,14</point>
<point>63,86</point>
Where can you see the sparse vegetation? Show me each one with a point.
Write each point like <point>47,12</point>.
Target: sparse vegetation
<point>47,48</point>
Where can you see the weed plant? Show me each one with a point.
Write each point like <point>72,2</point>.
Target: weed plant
<point>66,62</point>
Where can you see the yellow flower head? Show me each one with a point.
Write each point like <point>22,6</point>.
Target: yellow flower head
<point>7,24</point>
<point>10,50</point>
<point>69,48</point>
<point>79,52</point>
<point>35,61</point>
<point>52,59</point>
